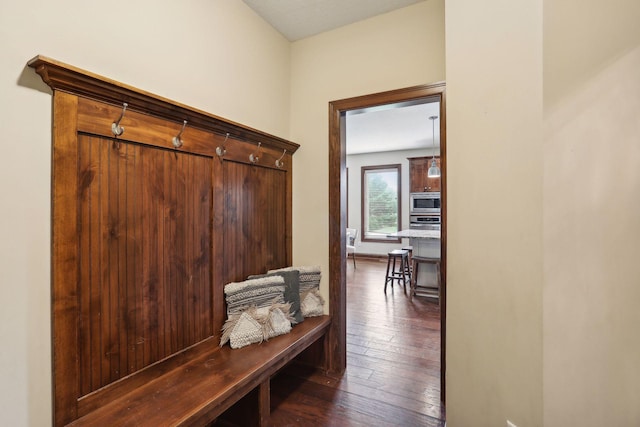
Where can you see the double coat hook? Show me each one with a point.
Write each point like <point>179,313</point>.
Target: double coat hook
<point>116,129</point>
<point>255,158</point>
<point>279,162</point>
<point>177,140</point>
<point>221,150</point>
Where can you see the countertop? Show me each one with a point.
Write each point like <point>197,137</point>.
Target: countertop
<point>417,234</point>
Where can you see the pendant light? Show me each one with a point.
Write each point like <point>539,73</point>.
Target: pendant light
<point>434,170</point>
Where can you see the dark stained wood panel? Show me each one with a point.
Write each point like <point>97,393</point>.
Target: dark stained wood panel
<point>255,226</point>
<point>145,255</point>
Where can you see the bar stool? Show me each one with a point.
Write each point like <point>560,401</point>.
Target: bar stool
<point>414,280</point>
<point>400,273</point>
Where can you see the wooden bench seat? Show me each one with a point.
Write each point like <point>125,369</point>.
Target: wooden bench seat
<point>208,382</point>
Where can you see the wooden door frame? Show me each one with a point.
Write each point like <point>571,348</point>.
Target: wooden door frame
<point>337,348</point>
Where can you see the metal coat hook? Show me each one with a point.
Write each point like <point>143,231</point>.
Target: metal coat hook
<point>115,126</point>
<point>279,162</point>
<point>221,150</point>
<point>255,158</point>
<point>177,140</point>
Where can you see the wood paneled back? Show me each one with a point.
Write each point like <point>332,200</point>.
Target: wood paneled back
<point>145,256</point>
<point>255,226</point>
<point>146,235</point>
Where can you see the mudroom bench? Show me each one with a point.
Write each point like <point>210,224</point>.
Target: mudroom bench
<point>205,381</point>
<point>154,210</point>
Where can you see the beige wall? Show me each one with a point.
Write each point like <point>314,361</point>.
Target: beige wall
<point>391,51</point>
<point>494,147</point>
<point>216,55</point>
<point>591,213</point>
<point>551,290</point>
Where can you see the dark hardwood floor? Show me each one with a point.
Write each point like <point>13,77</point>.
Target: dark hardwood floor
<point>393,363</point>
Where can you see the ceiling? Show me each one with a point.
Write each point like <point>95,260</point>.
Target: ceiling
<point>403,126</point>
<point>297,19</point>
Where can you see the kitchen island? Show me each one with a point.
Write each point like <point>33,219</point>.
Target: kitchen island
<point>425,243</point>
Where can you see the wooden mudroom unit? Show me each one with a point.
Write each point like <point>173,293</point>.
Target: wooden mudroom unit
<point>155,207</point>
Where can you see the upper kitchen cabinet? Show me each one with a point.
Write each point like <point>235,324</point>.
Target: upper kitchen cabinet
<point>419,181</point>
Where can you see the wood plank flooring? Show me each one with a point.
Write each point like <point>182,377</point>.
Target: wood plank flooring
<point>393,363</point>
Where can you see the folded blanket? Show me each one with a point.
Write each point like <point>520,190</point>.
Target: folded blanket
<point>233,287</point>
<point>311,303</point>
<point>263,292</point>
<point>309,275</point>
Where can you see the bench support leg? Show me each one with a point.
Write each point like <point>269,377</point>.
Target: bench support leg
<point>264,403</point>
<point>254,409</point>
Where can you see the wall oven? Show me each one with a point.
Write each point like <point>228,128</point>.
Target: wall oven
<point>424,222</point>
<point>424,203</point>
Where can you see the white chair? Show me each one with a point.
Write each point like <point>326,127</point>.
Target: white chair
<point>352,235</point>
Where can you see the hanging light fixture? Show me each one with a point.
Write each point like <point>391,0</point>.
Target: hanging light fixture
<point>434,170</point>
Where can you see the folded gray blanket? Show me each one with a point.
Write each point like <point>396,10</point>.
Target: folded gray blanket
<point>263,292</point>
<point>309,276</point>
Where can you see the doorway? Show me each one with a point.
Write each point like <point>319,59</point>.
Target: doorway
<point>336,350</point>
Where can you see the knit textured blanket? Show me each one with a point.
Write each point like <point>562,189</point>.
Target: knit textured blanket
<point>255,325</point>
<point>310,276</point>
<point>311,303</point>
<point>262,292</point>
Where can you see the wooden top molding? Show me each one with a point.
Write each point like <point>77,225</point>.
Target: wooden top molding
<point>66,78</point>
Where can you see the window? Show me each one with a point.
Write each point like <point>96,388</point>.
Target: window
<point>380,202</point>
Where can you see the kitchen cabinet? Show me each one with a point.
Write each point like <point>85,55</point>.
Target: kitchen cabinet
<point>418,179</point>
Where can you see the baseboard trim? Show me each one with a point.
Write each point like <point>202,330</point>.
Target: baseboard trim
<point>371,257</point>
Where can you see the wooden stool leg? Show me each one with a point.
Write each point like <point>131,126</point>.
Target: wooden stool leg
<point>386,277</point>
<point>393,272</point>
<point>408,267</point>
<point>403,266</point>
<point>414,277</point>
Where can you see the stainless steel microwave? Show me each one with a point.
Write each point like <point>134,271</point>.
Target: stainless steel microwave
<point>424,203</point>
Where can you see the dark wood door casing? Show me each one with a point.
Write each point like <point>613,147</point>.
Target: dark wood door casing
<point>336,350</point>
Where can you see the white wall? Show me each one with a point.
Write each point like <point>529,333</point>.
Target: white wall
<point>591,213</point>
<point>215,55</point>
<point>494,282</point>
<point>354,164</point>
<point>391,51</point>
